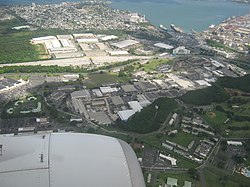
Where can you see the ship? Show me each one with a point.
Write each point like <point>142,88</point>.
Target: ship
<point>163,28</point>
<point>176,29</point>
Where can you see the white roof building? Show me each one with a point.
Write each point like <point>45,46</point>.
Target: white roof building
<point>87,40</point>
<point>118,53</point>
<point>135,105</point>
<point>202,83</point>
<point>43,39</point>
<point>125,114</point>
<point>67,159</point>
<point>109,37</point>
<point>80,94</point>
<point>236,143</point>
<point>108,89</point>
<point>125,43</point>
<point>164,46</point>
<point>84,35</point>
<point>171,159</point>
<point>171,182</point>
<point>181,51</point>
<point>143,100</point>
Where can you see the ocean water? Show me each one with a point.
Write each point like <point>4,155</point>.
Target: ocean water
<point>187,14</point>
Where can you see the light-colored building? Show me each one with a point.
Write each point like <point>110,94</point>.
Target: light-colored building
<point>171,182</point>
<point>135,105</point>
<point>235,143</point>
<point>171,159</point>
<point>125,114</point>
<point>125,44</point>
<point>143,100</point>
<point>163,46</point>
<point>81,94</point>
<point>109,37</point>
<point>128,88</point>
<point>108,89</point>
<point>187,184</point>
<point>181,51</point>
<point>118,53</point>
<point>117,100</point>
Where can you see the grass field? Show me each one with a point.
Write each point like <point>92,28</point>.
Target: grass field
<point>218,178</point>
<point>97,79</point>
<point>181,177</point>
<point>215,118</point>
<point>153,64</point>
<point>15,45</point>
<point>155,141</point>
<point>24,107</point>
<point>180,138</point>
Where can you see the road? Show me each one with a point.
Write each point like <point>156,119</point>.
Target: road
<point>83,61</point>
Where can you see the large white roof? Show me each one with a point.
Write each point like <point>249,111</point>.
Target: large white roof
<point>125,43</point>
<point>125,114</point>
<point>63,160</point>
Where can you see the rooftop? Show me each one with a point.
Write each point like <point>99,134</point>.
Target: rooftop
<point>125,43</point>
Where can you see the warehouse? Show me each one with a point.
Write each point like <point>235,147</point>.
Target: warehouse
<point>125,44</point>
<point>118,53</point>
<point>125,114</point>
<point>68,159</point>
<point>128,88</point>
<point>81,94</point>
<point>163,46</point>
<point>117,100</point>
<point>143,100</point>
<point>42,39</point>
<point>135,105</point>
<point>109,37</point>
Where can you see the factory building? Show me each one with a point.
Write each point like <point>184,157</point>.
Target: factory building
<point>81,94</point>
<point>125,44</point>
<point>163,46</point>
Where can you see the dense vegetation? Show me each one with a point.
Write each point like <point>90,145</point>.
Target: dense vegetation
<point>151,117</point>
<point>58,69</point>
<point>240,83</point>
<point>213,43</point>
<point>206,96</point>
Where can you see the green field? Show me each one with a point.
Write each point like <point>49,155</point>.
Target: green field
<point>215,118</point>
<point>218,178</point>
<point>93,80</point>
<point>15,45</point>
<point>237,110</point>
<point>30,106</point>
<point>155,141</point>
<point>181,177</point>
<point>180,138</point>
<point>153,64</point>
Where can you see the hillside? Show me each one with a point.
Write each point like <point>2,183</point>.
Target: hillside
<point>206,96</point>
<point>151,117</point>
<point>240,83</point>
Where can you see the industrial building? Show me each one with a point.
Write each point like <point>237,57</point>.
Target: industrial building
<point>128,88</point>
<point>118,53</point>
<point>117,100</point>
<point>163,46</point>
<point>125,44</point>
<point>109,37</point>
<point>125,114</point>
<point>7,84</point>
<point>181,51</point>
<point>135,105</point>
<point>81,94</point>
<point>67,159</point>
